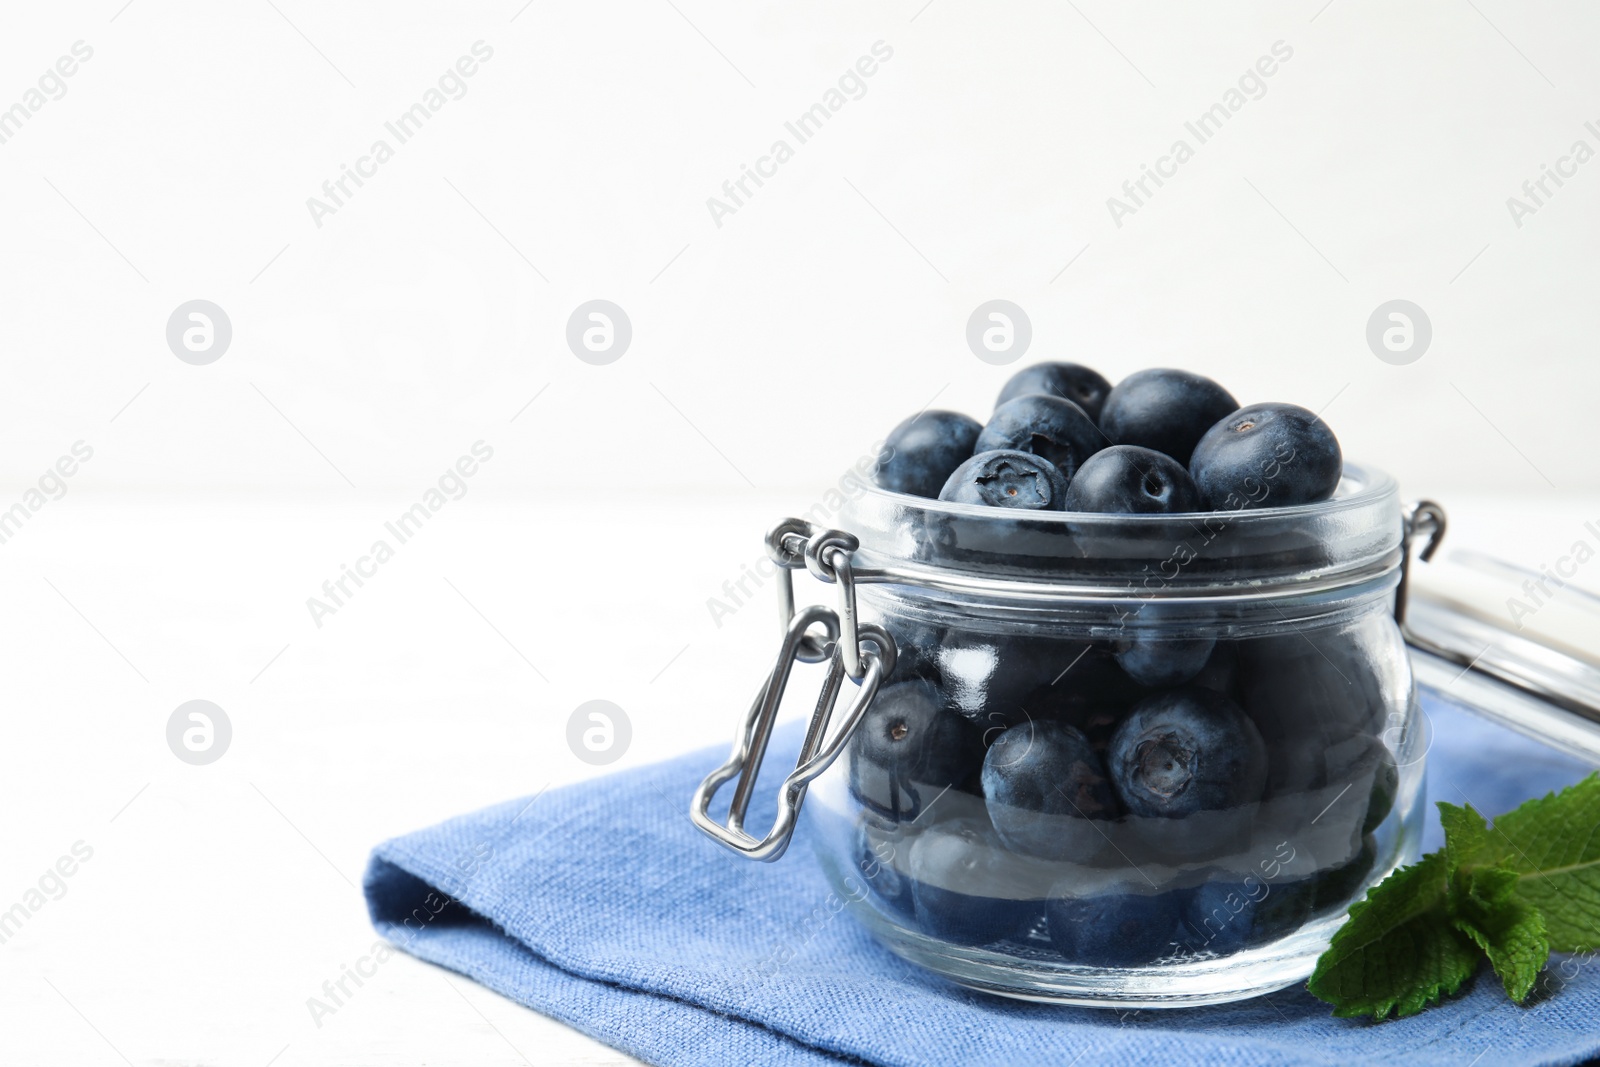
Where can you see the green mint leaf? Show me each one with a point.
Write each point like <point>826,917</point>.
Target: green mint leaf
<point>1553,843</point>
<point>1485,906</point>
<point>1492,885</point>
<point>1400,951</point>
<point>1466,836</point>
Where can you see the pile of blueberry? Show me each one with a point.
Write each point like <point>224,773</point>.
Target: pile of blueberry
<point>1121,821</point>
<point>1062,438</point>
<point>1137,797</point>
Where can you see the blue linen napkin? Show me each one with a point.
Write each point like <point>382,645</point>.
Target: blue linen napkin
<point>601,906</point>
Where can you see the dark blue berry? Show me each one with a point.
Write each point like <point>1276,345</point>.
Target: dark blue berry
<point>1221,672</point>
<point>1167,410</point>
<point>1046,792</point>
<point>1190,767</point>
<point>881,852</point>
<point>1087,689</point>
<point>1129,480</point>
<point>1316,683</point>
<point>1385,787</point>
<point>1338,887</point>
<point>1227,916</point>
<point>1057,430</point>
<point>991,679</point>
<point>1266,455</point>
<point>1296,764</point>
<point>1326,796</point>
<point>1186,751</point>
<point>910,747</point>
<point>921,452</point>
<point>1122,923</point>
<point>1353,780</point>
<point>1155,660</point>
<point>1070,381</point>
<point>967,888</point>
<point>1007,479</point>
<point>917,650</point>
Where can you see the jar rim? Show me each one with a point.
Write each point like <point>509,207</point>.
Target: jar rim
<point>1352,537</point>
<point>1359,486</point>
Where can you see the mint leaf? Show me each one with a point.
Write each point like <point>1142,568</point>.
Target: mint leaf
<point>1511,892</point>
<point>1466,835</point>
<point>1485,905</point>
<point>1400,951</point>
<point>1554,844</point>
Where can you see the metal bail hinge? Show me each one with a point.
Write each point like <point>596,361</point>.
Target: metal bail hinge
<point>862,652</point>
<point>1424,518</point>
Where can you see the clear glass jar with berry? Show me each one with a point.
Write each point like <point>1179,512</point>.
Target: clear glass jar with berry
<point>1105,759</point>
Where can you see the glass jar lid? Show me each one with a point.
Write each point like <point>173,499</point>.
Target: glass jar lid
<point>1516,645</point>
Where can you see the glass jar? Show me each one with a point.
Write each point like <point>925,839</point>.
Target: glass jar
<point>1134,760</point>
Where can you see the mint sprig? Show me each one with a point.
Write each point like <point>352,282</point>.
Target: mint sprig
<point>1554,846</point>
<point>1507,894</point>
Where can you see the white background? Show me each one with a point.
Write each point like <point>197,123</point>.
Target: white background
<point>768,354</point>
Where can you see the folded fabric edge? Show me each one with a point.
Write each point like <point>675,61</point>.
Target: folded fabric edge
<point>414,916</point>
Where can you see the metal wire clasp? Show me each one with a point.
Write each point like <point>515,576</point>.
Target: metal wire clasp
<point>862,652</point>
<point>1422,518</point>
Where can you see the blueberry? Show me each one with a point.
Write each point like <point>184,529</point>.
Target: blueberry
<point>1352,781</point>
<point>880,854</point>
<point>1266,455</point>
<point>1129,480</point>
<point>1361,782</point>
<point>1006,479</point>
<point>1314,683</point>
<point>1190,766</point>
<point>1186,751</point>
<point>1167,410</point>
<point>1097,723</point>
<point>1047,426</point>
<point>1221,671</point>
<point>1158,661</point>
<point>1118,924</point>
<point>1225,916</point>
<point>921,452</point>
<point>1325,797</point>
<point>1385,787</point>
<point>1296,764</point>
<point>910,747</point>
<point>992,679</point>
<point>1086,689</point>
<point>1339,887</point>
<point>1046,790</point>
<point>917,650</point>
<point>966,887</point>
<point>1070,381</point>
